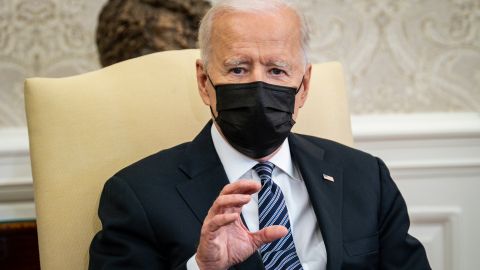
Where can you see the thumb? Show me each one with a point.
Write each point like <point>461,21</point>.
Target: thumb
<point>269,234</point>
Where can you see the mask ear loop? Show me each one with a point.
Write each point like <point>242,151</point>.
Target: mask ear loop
<point>213,115</point>
<point>214,87</point>
<point>210,80</point>
<point>296,92</point>
<point>298,89</point>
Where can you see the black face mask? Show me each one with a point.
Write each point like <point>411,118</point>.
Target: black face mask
<point>255,117</point>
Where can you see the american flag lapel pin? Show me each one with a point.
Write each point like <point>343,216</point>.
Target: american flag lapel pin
<point>328,178</point>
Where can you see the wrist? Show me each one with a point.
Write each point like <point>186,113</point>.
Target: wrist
<point>206,266</point>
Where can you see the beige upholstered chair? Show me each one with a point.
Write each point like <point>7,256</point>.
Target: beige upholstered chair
<point>85,128</point>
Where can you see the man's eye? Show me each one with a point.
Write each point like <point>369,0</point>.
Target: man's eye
<point>277,71</point>
<point>237,70</point>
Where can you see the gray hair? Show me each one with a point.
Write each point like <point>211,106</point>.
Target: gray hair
<point>205,30</point>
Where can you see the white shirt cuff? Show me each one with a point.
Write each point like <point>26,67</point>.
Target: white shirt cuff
<point>192,263</point>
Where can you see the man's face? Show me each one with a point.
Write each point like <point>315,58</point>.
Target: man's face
<point>247,47</point>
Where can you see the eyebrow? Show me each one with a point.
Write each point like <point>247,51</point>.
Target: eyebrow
<point>279,63</point>
<point>236,62</point>
<point>232,62</point>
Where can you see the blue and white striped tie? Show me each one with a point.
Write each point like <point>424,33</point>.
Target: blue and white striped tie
<point>281,253</point>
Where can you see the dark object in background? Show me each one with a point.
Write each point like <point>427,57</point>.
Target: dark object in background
<point>19,246</point>
<point>132,28</point>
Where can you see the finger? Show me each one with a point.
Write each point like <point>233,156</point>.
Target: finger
<point>241,187</point>
<point>229,203</point>
<point>219,221</point>
<point>269,234</point>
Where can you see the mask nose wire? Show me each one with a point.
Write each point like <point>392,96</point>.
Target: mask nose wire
<point>296,92</point>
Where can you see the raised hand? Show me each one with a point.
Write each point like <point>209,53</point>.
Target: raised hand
<point>224,239</point>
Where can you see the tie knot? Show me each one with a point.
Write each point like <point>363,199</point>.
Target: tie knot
<point>264,170</point>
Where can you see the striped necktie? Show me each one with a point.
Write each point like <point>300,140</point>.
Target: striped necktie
<point>272,210</point>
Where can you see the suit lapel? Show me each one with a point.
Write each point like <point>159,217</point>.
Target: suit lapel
<point>325,195</point>
<point>207,178</point>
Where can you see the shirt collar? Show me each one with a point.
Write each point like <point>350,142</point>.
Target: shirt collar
<point>237,164</point>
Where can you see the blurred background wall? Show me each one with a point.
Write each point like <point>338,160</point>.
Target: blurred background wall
<point>401,56</point>
<point>413,70</point>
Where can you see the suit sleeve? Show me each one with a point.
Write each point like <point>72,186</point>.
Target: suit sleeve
<point>398,249</point>
<point>127,240</point>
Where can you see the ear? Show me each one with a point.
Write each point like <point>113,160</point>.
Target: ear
<point>306,85</point>
<point>202,81</point>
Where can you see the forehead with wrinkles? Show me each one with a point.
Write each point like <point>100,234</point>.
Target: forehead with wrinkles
<point>273,38</point>
<point>253,11</point>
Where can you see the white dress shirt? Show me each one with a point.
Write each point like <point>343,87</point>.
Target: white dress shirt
<point>305,230</point>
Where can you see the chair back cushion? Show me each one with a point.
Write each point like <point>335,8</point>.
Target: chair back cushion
<point>85,128</point>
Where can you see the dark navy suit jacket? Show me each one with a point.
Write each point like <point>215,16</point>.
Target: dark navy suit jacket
<point>152,211</point>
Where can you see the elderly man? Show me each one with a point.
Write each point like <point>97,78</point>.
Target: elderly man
<point>246,193</point>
